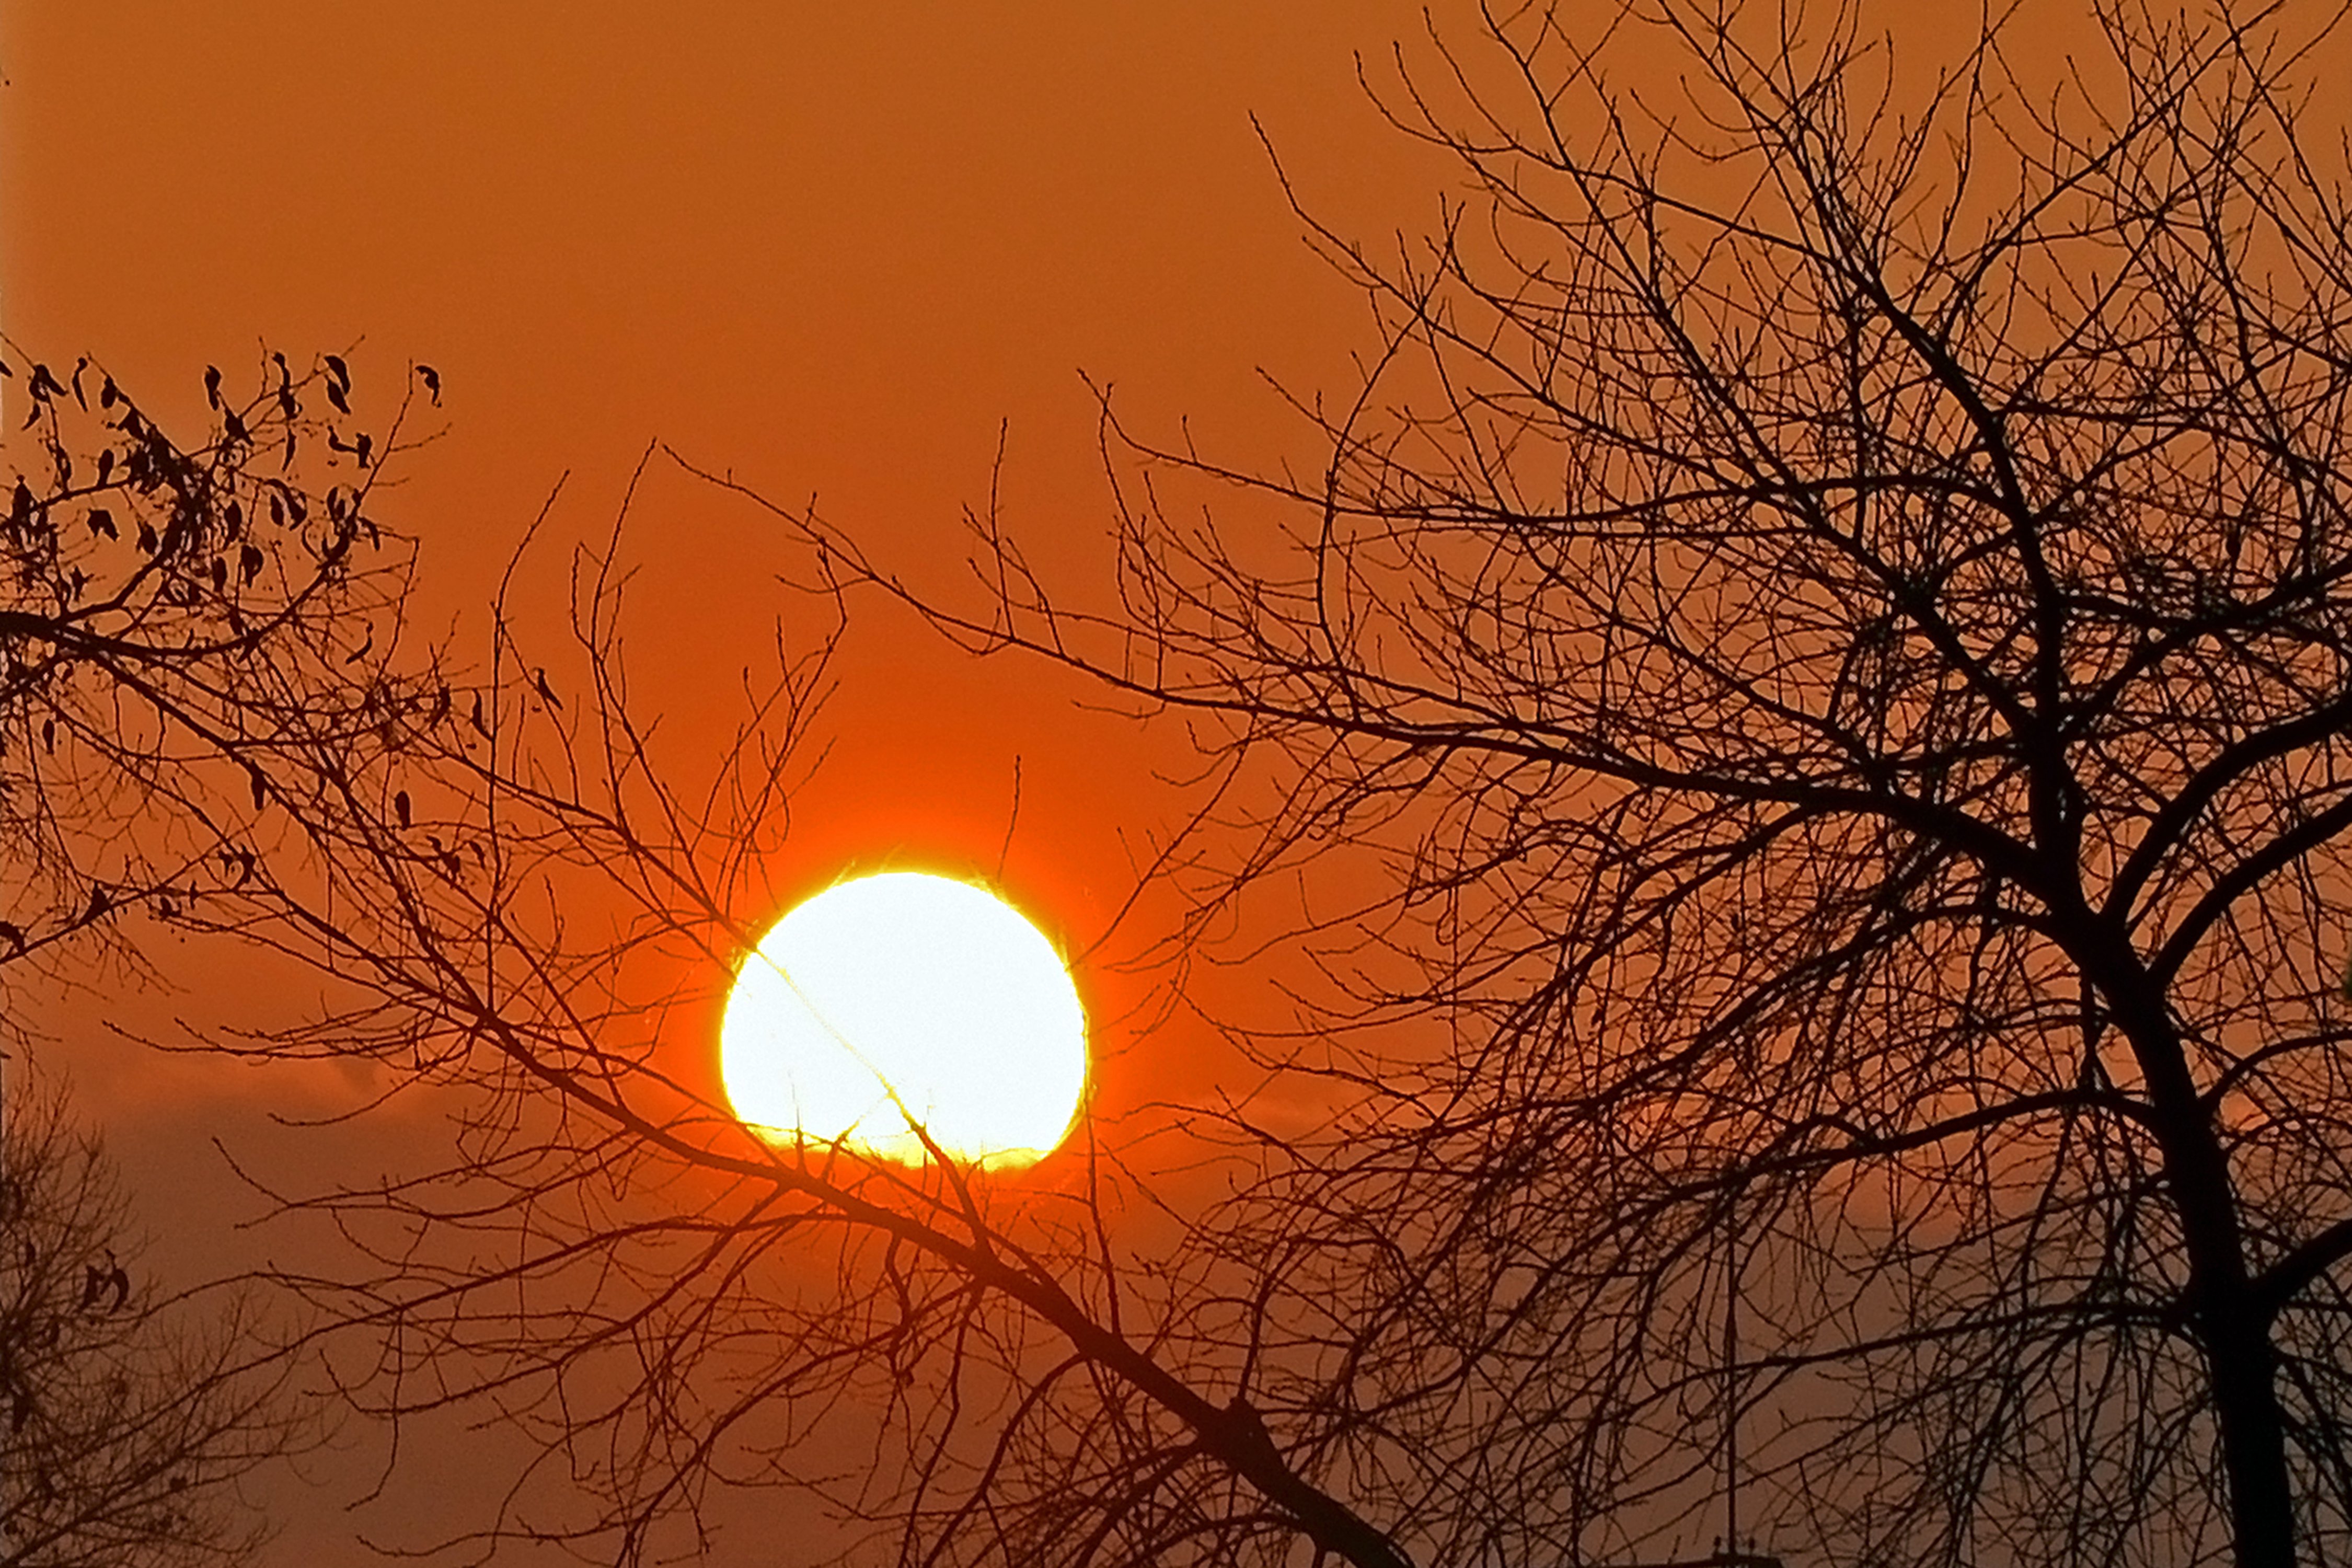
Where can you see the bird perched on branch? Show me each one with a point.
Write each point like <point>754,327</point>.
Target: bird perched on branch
<point>99,1283</point>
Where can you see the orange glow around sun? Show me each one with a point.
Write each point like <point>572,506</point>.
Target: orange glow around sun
<point>904,1000</point>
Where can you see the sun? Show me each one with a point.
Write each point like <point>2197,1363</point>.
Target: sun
<point>903,1000</point>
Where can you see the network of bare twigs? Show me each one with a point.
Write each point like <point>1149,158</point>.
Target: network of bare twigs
<point>128,1414</point>
<point>1807,697</point>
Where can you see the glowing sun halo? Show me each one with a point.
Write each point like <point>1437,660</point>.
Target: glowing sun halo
<point>902,996</point>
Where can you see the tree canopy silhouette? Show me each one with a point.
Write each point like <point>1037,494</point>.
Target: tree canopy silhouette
<point>1829,612</point>
<point>170,615</point>
<point>129,1413</point>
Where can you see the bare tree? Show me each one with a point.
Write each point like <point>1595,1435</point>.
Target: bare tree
<point>1817,661</point>
<point>1829,613</point>
<point>664,1301</point>
<point>128,1414</point>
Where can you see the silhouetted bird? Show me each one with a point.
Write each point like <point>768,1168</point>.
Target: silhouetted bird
<point>400,806</point>
<point>540,681</point>
<point>248,563</point>
<point>105,464</point>
<point>102,521</point>
<point>81,365</point>
<point>260,786</point>
<point>234,426</point>
<point>339,372</point>
<point>119,1281</point>
<point>15,937</point>
<point>212,386</point>
<point>147,540</point>
<point>432,382</point>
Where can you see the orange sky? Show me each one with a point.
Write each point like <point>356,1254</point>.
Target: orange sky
<point>828,247</point>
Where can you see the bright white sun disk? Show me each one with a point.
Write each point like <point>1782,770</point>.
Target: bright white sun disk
<point>907,998</point>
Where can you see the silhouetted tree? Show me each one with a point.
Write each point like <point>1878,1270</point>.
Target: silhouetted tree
<point>168,615</point>
<point>172,617</point>
<point>662,1301</point>
<point>1825,627</point>
<point>128,1415</point>
<point>1817,664</point>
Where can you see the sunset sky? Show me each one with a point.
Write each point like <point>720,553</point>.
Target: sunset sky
<point>1659,652</point>
<point>831,248</point>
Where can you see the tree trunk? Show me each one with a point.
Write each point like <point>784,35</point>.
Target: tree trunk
<point>2232,1325</point>
<point>2253,1435</point>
